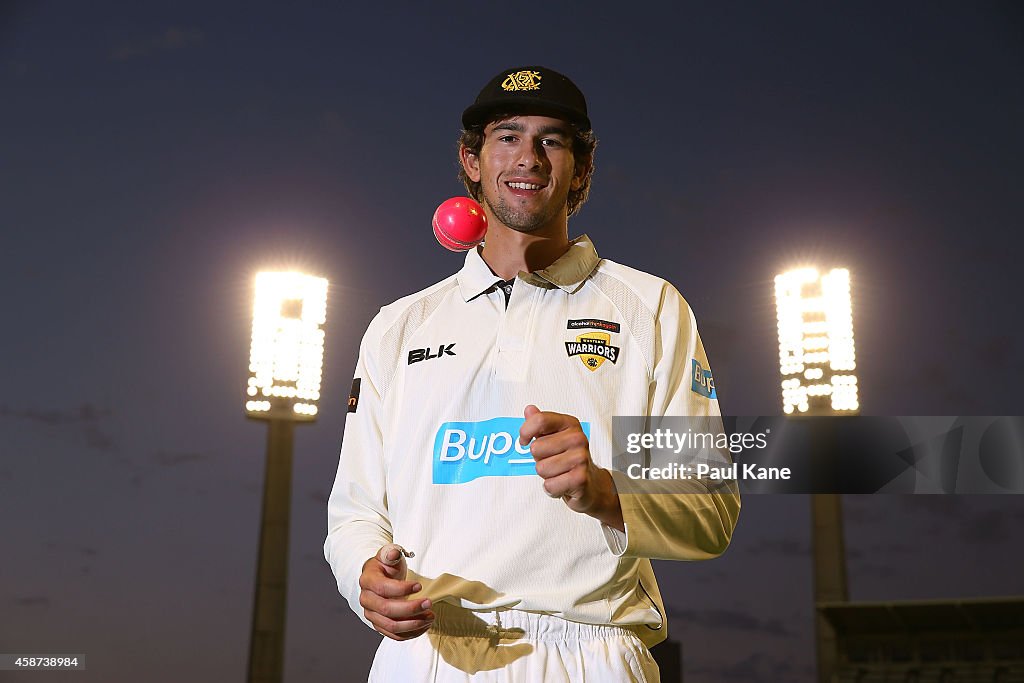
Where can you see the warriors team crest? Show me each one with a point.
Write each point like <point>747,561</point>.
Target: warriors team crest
<point>593,348</point>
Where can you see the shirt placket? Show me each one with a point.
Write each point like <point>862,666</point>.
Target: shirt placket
<point>514,332</point>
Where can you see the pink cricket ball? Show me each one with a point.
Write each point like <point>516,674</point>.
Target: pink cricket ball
<point>459,224</point>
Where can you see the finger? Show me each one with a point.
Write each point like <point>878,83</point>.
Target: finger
<point>393,588</point>
<point>395,609</point>
<point>392,558</point>
<point>375,567</point>
<point>540,423</point>
<point>561,463</point>
<point>415,634</point>
<point>398,627</point>
<point>554,488</point>
<point>526,432</point>
<point>408,635</point>
<point>565,485</point>
<point>391,554</point>
<point>397,573</point>
<point>404,636</point>
<point>568,441</point>
<point>386,587</point>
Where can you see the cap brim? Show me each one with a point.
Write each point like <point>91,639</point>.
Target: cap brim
<point>478,114</point>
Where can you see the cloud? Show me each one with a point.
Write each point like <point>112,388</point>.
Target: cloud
<point>32,601</point>
<point>948,507</point>
<point>173,38</point>
<point>887,548</point>
<point>935,379</point>
<point>866,510</point>
<point>171,459</point>
<point>882,571</point>
<point>98,439</point>
<point>785,547</point>
<point>309,666</point>
<point>86,417</point>
<point>729,620</point>
<point>991,526</point>
<point>945,513</point>
<point>86,413</point>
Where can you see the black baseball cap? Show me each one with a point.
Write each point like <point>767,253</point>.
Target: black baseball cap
<point>529,89</point>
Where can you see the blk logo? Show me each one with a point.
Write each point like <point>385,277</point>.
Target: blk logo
<point>416,355</point>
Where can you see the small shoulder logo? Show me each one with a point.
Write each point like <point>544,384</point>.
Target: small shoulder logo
<point>353,398</point>
<point>703,382</point>
<point>416,355</point>
<point>593,348</point>
<point>522,80</point>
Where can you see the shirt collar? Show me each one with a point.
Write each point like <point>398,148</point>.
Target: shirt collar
<point>568,272</point>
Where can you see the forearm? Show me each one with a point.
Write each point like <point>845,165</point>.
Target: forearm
<point>676,520</point>
<point>347,548</point>
<point>608,509</point>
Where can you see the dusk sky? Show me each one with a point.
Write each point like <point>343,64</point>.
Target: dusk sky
<point>153,159</point>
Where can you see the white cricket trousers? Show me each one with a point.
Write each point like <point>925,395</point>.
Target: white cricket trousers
<point>513,646</point>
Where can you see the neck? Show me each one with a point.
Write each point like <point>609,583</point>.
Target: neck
<point>509,251</point>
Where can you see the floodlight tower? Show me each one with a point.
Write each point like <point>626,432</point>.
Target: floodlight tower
<point>285,364</point>
<point>816,361</point>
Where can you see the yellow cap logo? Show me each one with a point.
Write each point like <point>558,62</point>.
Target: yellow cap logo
<point>522,80</point>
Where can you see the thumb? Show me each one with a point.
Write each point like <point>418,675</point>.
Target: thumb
<point>530,411</point>
<point>392,556</point>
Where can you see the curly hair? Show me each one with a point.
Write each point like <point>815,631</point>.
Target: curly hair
<point>583,145</point>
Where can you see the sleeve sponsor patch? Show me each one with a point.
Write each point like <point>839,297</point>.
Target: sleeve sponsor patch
<point>353,398</point>
<point>703,382</point>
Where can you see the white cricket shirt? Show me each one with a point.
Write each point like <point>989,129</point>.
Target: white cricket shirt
<point>430,457</point>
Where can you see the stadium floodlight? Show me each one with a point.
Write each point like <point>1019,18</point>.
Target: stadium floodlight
<point>287,352</point>
<point>285,363</point>
<point>816,350</point>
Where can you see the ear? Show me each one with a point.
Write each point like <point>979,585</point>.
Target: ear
<point>471,163</point>
<point>579,173</point>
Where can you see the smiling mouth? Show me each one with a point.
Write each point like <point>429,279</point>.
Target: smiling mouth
<point>524,186</point>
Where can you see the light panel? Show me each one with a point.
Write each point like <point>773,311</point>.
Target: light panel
<point>287,351</point>
<point>816,349</point>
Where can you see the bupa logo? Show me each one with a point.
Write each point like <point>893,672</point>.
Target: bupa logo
<point>416,355</point>
<point>703,382</point>
<point>464,451</point>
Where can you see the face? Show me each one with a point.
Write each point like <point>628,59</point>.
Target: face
<point>526,170</point>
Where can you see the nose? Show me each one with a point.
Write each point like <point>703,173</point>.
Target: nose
<point>531,156</point>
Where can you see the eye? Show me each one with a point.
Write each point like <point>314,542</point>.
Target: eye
<point>552,142</point>
<point>507,138</point>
